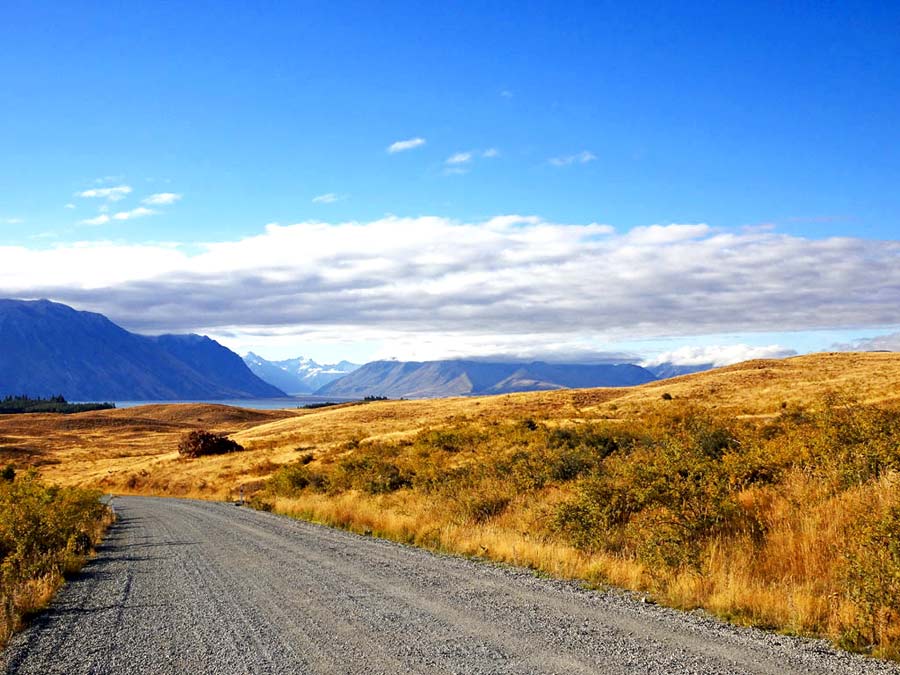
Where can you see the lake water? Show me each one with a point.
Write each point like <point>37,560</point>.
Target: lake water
<point>254,403</point>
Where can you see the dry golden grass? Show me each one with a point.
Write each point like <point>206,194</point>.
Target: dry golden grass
<point>134,449</point>
<point>117,449</point>
<point>793,579</point>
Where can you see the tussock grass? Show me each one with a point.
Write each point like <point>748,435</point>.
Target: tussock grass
<point>789,523</point>
<point>751,490</point>
<point>46,532</point>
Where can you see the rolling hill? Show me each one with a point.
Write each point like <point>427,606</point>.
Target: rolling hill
<point>796,458</point>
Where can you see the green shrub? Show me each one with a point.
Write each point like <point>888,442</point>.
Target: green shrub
<point>873,579</point>
<point>44,532</point>
<point>371,474</point>
<point>659,501</point>
<point>447,440</point>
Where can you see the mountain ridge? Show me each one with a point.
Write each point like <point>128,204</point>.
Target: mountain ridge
<point>49,348</point>
<point>460,377</point>
<point>299,375</point>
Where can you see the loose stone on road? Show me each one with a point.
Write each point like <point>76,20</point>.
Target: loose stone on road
<point>183,586</point>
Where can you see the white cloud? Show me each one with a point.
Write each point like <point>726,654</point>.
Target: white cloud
<point>666,234</point>
<point>519,283</point>
<point>719,355</point>
<point>161,199</point>
<point>139,212</point>
<point>102,219</point>
<point>327,198</point>
<point>12,221</point>
<point>885,343</point>
<point>112,194</point>
<point>70,206</point>
<point>459,162</point>
<point>582,157</point>
<point>459,158</point>
<point>409,144</point>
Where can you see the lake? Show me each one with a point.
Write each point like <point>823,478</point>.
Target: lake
<point>254,403</point>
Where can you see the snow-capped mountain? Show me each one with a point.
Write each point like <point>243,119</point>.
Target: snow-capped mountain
<point>297,376</point>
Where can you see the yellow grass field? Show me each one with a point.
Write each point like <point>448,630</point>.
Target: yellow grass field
<point>766,492</point>
<point>125,450</point>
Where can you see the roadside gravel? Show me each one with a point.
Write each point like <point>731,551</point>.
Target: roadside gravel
<point>183,586</point>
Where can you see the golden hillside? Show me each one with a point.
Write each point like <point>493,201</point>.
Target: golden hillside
<point>134,449</point>
<point>767,491</point>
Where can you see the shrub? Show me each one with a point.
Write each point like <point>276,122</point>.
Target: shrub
<point>45,531</point>
<point>450,440</point>
<point>201,443</point>
<point>481,508</point>
<point>659,502</point>
<point>294,478</point>
<point>873,581</point>
<point>375,475</point>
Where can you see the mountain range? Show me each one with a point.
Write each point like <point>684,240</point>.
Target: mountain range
<point>47,348</point>
<point>297,376</point>
<point>431,379</point>
<point>663,371</point>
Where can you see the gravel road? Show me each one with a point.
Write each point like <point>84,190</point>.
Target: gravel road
<point>192,587</point>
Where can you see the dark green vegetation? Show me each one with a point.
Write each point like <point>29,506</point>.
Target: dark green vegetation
<point>53,404</point>
<point>201,443</point>
<point>45,533</point>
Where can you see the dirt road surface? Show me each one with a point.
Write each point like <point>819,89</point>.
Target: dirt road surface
<point>192,587</point>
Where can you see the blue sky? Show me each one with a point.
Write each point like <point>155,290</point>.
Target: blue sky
<point>747,117</point>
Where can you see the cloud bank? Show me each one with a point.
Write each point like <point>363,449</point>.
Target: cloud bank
<point>884,343</point>
<point>435,285</point>
<point>719,355</point>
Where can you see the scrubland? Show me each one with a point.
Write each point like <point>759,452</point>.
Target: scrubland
<point>46,532</point>
<point>767,492</point>
<point>791,523</point>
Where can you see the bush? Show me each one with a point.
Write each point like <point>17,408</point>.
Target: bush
<point>873,581</point>
<point>295,478</point>
<point>201,443</point>
<point>373,475</point>
<point>45,532</point>
<point>661,501</point>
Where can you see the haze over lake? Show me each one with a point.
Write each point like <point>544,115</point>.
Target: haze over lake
<point>252,403</point>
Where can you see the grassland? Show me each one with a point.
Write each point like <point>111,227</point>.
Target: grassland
<point>767,492</point>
